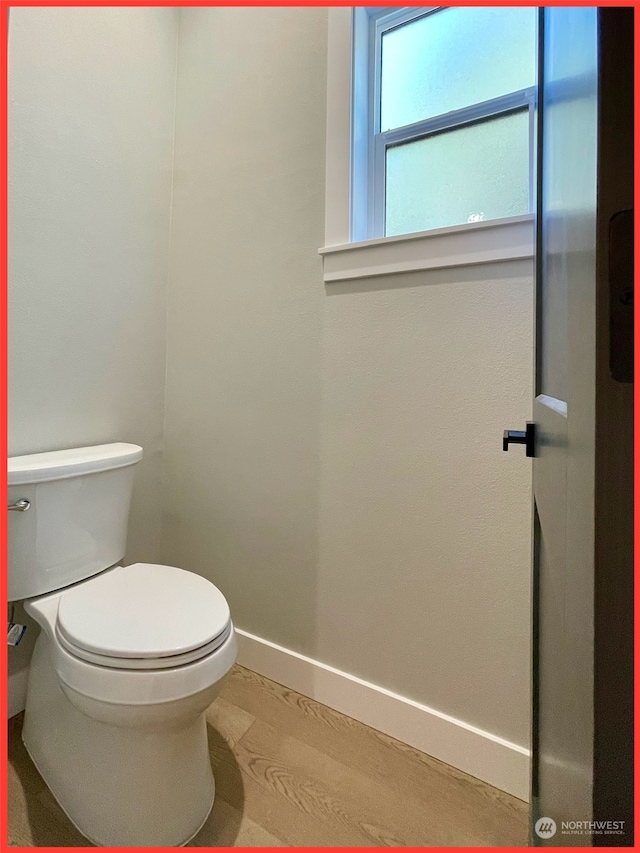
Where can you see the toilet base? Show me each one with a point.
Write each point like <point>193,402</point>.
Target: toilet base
<point>141,785</point>
<point>95,841</point>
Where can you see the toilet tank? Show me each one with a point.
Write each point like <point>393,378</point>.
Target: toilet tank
<point>76,523</point>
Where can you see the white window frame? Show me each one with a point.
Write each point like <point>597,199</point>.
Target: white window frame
<point>355,164</point>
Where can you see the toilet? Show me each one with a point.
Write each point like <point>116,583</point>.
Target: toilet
<point>128,658</point>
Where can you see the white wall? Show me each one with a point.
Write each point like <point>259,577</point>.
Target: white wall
<point>423,577</point>
<point>91,94</point>
<point>333,455</point>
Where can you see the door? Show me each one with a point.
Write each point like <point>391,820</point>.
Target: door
<point>564,417</point>
<point>581,434</point>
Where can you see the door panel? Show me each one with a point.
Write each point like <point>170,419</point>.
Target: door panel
<point>582,737</point>
<point>563,469</point>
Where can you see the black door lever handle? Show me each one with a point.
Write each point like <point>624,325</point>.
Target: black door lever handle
<point>515,436</point>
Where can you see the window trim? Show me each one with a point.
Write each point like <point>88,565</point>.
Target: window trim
<point>347,249</point>
<point>486,242</point>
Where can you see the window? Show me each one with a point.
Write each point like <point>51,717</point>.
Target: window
<point>442,117</point>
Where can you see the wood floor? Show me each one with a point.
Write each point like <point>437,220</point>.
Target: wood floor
<point>293,773</point>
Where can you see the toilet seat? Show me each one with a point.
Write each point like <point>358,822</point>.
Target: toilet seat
<point>116,684</point>
<point>144,663</point>
<point>144,616</point>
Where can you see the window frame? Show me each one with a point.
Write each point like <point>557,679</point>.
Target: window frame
<point>367,203</point>
<point>347,256</point>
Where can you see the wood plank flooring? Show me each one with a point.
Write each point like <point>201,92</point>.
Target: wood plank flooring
<point>293,773</point>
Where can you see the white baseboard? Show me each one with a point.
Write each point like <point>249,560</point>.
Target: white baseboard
<point>18,691</point>
<point>502,764</point>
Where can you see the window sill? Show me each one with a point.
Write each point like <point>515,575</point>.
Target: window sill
<point>457,246</point>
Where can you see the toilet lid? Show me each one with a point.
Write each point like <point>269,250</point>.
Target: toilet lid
<point>143,611</point>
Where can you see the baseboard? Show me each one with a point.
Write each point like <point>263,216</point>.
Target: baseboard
<point>481,754</point>
<point>17,685</point>
<point>502,764</point>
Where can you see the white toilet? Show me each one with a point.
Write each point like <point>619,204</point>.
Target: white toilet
<point>128,658</point>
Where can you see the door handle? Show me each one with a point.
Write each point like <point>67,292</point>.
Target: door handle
<point>528,438</point>
<point>19,506</point>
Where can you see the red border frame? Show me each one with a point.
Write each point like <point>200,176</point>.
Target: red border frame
<point>4,13</point>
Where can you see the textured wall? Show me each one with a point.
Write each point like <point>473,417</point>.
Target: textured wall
<point>333,455</point>
<point>245,311</point>
<point>90,152</point>
<point>424,570</point>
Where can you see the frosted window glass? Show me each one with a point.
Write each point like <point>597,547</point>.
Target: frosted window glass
<point>472,173</point>
<point>453,58</point>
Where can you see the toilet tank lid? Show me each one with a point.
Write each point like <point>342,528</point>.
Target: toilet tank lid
<point>74,462</point>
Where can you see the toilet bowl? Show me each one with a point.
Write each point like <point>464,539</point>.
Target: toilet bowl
<point>119,737</point>
<point>126,664</point>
